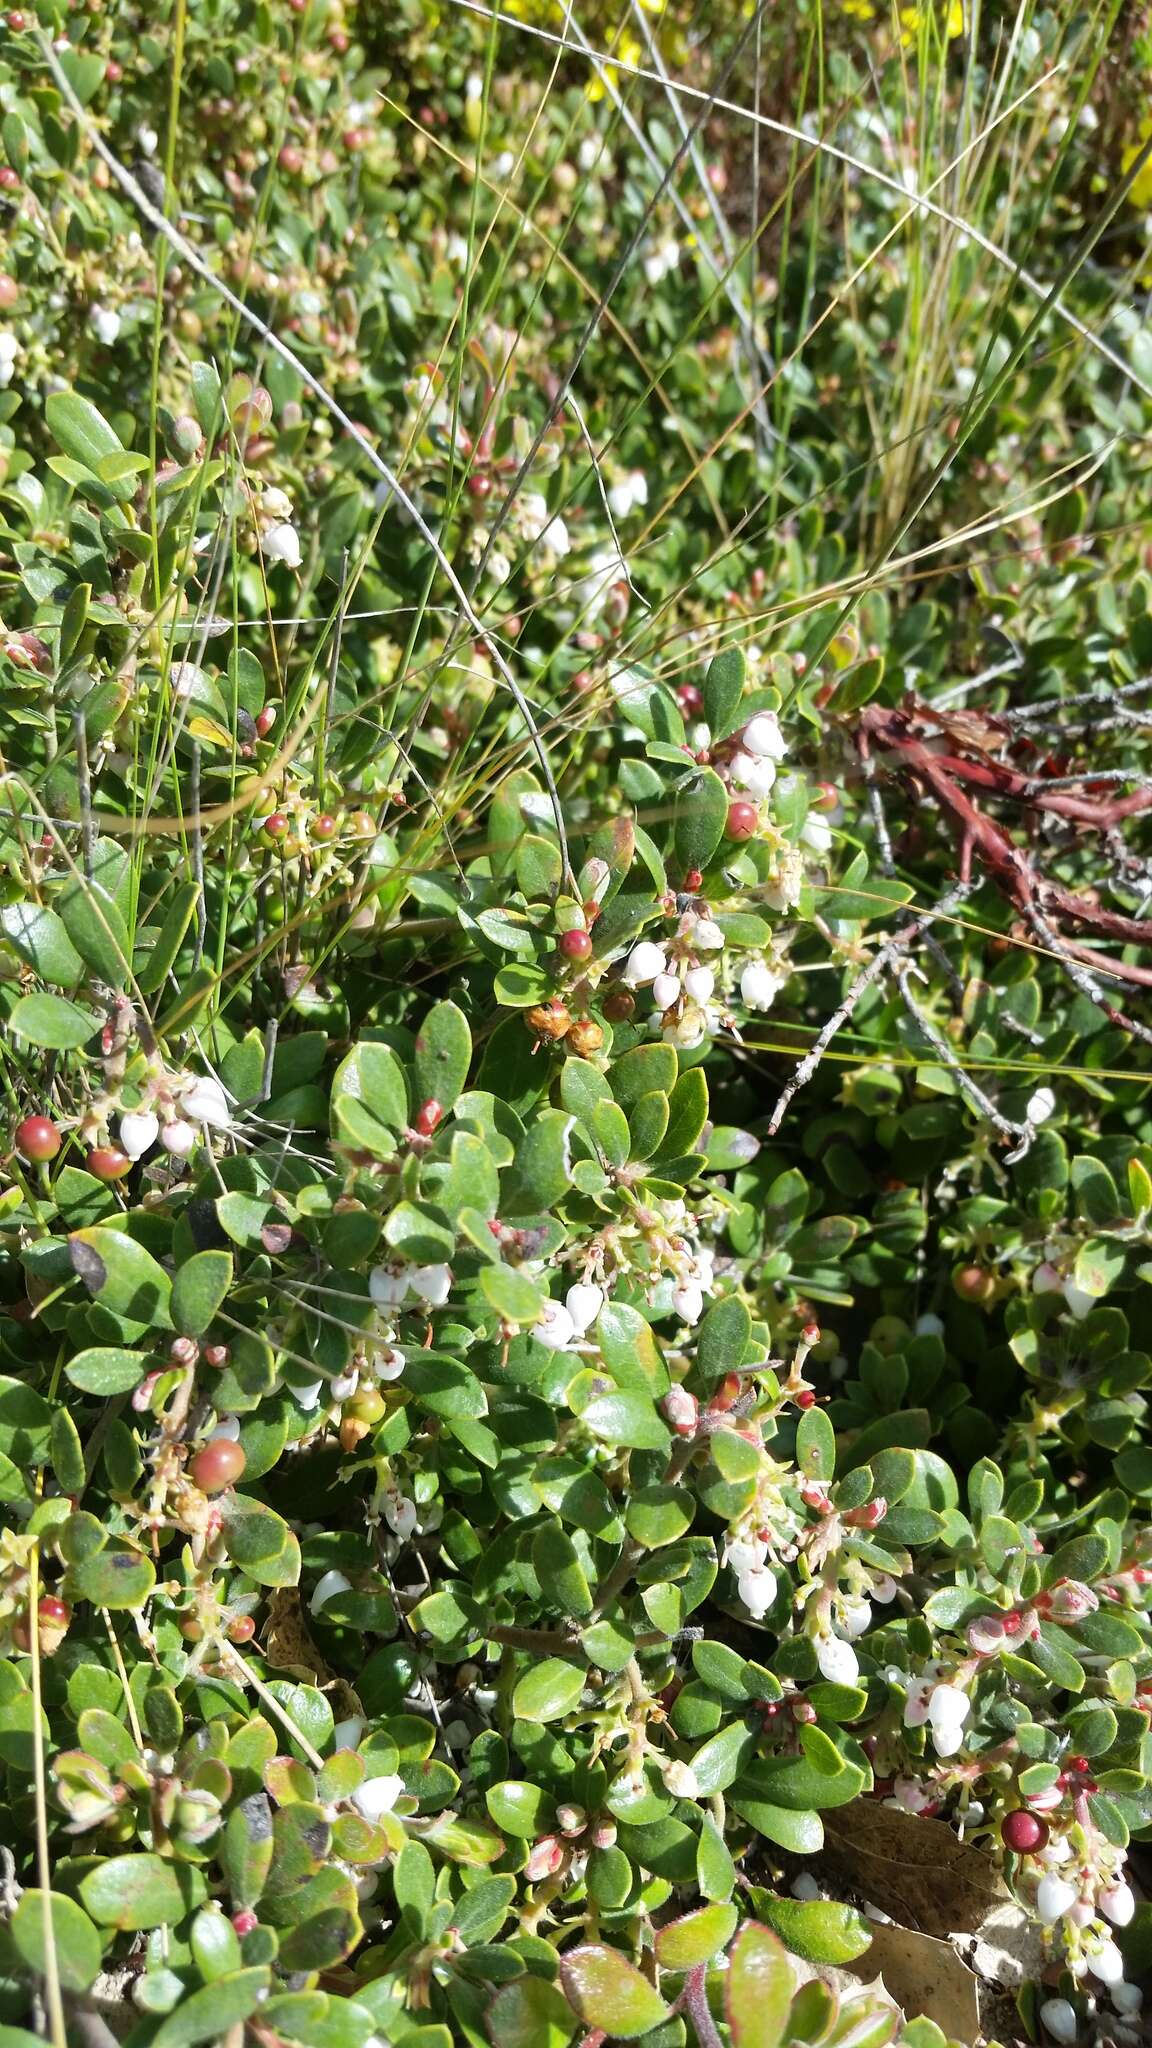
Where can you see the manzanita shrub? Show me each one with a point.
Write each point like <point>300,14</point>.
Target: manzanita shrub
<point>574,1303</point>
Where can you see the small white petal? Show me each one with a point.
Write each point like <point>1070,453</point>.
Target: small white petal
<point>432,1283</point>
<point>1041,1106</point>
<point>1118,1904</point>
<point>707,935</point>
<point>105,324</point>
<point>555,1328</point>
<point>387,1287</point>
<point>665,991</point>
<point>688,1302</point>
<point>139,1130</point>
<point>377,1795</point>
<point>1058,2017</point>
<point>1054,1896</point>
<point>948,1737</point>
<point>759,987</point>
<point>699,983</point>
<point>762,735</point>
<point>327,1586</point>
<point>400,1514</point>
<point>346,1734</point>
<point>644,963</point>
<point>583,1302</point>
<point>948,1706</point>
<point>757,1589</point>
<point>282,544</point>
<point>204,1100</point>
<point>838,1661</point>
<point>1107,1963</point>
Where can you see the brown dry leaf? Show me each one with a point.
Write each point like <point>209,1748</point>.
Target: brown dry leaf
<point>913,1868</point>
<point>287,1644</point>
<point>926,1977</point>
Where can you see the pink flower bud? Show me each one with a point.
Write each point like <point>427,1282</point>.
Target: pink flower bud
<point>544,1859</point>
<point>682,1410</point>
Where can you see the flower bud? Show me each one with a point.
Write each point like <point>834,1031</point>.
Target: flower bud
<point>682,1410</point>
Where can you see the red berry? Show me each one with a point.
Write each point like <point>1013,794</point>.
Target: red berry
<point>690,698</point>
<point>55,1613</point>
<point>216,1354</point>
<point>38,1138</point>
<point>1023,1832</point>
<point>244,1921</point>
<point>107,1162</point>
<point>242,1629</point>
<point>323,827</point>
<point>218,1465</point>
<point>17,21</point>
<point>290,159</point>
<point>1079,1764</point>
<point>825,797</point>
<point>265,720</point>
<point>727,1393</point>
<point>811,1333</point>
<point>9,180</point>
<point>973,1283</point>
<point>743,820</point>
<point>480,484</point>
<point>693,879</point>
<point>276,825</point>
<point>113,71</point>
<point>9,293</point>
<point>805,1398</point>
<point>428,1116</point>
<point>575,944</point>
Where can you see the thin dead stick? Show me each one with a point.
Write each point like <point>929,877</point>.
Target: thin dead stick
<point>879,963</point>
<point>973,1094</point>
<point>1080,977</point>
<point>190,255</point>
<point>1102,697</point>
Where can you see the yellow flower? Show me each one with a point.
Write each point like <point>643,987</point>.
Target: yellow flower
<point>912,17</point>
<point>627,51</point>
<point>859,10</point>
<point>1141,192</point>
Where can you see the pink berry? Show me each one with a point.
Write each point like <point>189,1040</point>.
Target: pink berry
<point>218,1465</point>
<point>742,820</point>
<point>1023,1832</point>
<point>38,1138</point>
<point>575,944</point>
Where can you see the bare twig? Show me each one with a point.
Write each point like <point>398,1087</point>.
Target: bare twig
<point>973,1094</point>
<point>1079,975</point>
<point>881,960</point>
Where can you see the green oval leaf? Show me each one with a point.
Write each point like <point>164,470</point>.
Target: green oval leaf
<point>609,1992</point>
